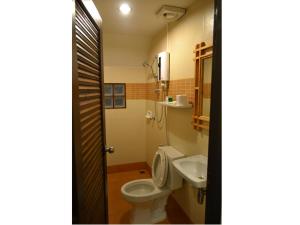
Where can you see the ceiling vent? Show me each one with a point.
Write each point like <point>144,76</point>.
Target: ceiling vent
<point>170,13</point>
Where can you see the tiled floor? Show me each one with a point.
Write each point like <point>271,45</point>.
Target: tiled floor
<point>119,208</point>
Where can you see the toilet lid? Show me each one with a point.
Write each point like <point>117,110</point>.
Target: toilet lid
<point>160,168</point>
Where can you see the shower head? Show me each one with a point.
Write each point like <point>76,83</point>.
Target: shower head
<point>150,66</point>
<point>145,64</point>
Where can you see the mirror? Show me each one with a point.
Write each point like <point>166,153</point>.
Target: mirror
<point>207,70</point>
<point>203,71</point>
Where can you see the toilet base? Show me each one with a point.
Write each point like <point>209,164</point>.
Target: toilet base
<point>158,218</point>
<point>149,212</point>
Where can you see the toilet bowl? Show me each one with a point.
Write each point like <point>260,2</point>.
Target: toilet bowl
<point>149,196</point>
<point>142,190</point>
<point>149,201</point>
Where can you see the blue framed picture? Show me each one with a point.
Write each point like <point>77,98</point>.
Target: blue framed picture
<point>114,95</point>
<point>108,102</point>
<point>108,90</point>
<point>119,89</point>
<point>119,102</point>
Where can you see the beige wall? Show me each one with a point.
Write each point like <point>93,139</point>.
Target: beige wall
<point>125,128</point>
<point>195,27</point>
<point>126,74</point>
<point>125,50</point>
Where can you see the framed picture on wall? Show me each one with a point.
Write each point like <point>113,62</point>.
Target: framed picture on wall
<point>119,102</point>
<point>108,102</point>
<point>119,89</point>
<point>108,90</point>
<point>114,95</point>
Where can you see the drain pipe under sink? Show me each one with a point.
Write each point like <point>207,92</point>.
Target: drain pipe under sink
<point>200,195</point>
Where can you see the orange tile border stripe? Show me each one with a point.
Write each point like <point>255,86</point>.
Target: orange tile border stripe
<point>176,87</point>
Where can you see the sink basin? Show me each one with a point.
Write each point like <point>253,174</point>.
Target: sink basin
<point>193,169</point>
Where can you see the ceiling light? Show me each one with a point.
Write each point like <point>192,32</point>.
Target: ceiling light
<point>125,9</point>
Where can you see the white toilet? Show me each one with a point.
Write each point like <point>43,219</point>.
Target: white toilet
<point>149,196</point>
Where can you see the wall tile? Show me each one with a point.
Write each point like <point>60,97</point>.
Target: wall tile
<point>176,87</point>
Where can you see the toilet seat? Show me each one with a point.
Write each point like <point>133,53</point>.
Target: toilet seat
<point>142,190</point>
<point>160,168</point>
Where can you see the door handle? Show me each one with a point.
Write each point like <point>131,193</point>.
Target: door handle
<point>110,149</point>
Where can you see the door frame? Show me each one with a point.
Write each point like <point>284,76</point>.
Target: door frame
<point>214,170</point>
<point>91,11</point>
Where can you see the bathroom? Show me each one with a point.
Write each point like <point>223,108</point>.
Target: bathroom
<point>66,159</point>
<point>150,63</point>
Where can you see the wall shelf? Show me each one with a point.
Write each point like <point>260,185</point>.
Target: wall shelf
<point>173,105</point>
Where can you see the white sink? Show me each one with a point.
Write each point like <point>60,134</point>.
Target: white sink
<point>193,169</point>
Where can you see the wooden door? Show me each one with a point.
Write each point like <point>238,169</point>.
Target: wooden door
<point>88,132</point>
<point>214,170</point>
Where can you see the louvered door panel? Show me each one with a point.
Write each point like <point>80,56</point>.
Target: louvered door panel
<point>88,119</point>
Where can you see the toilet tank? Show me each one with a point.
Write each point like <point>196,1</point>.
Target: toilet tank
<point>174,180</point>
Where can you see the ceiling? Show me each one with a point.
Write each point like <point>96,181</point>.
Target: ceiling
<point>141,21</point>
